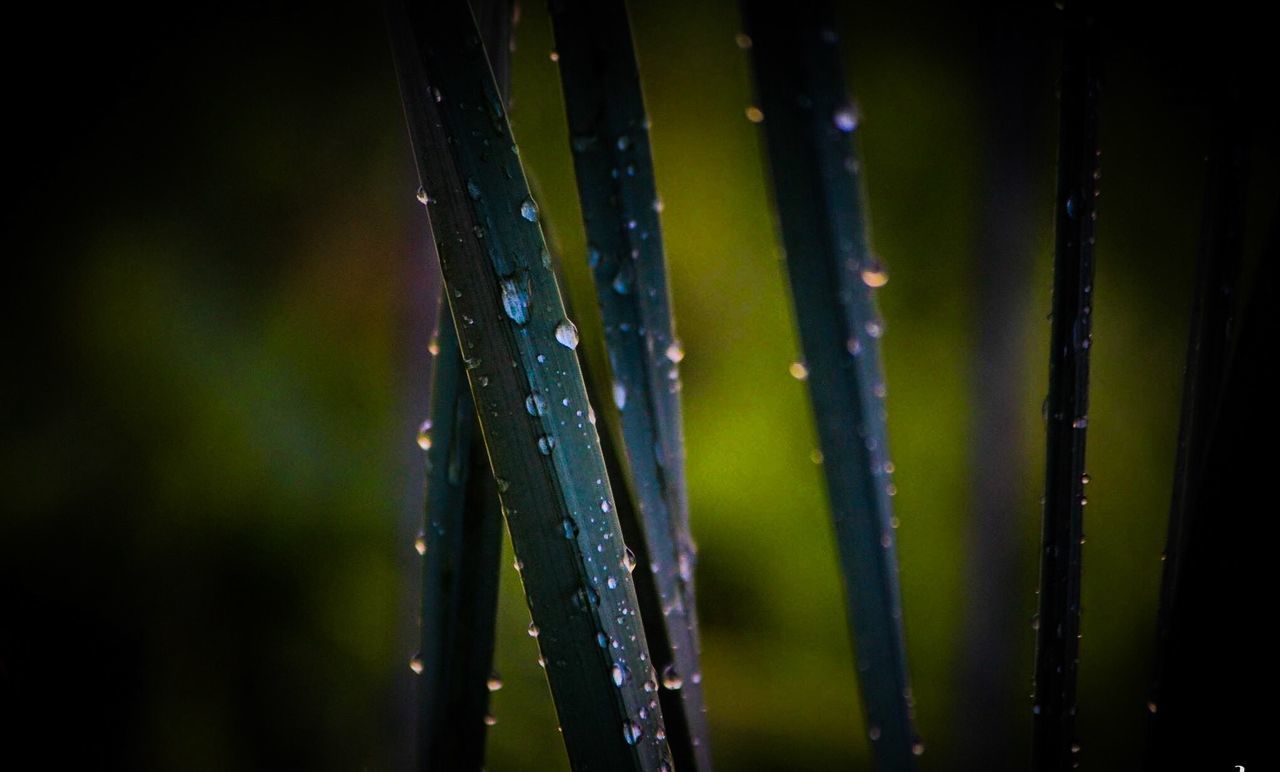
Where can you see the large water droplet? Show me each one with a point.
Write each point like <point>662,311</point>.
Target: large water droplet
<point>529,210</point>
<point>632,732</point>
<point>671,679</point>
<point>416,665</point>
<point>545,444</point>
<point>420,544</point>
<point>567,334</point>
<point>629,560</point>
<point>494,683</point>
<point>423,198</point>
<point>536,404</point>
<point>621,673</point>
<point>798,371</point>
<point>754,114</point>
<point>675,351</point>
<point>424,435</point>
<point>533,630</point>
<point>515,301</point>
<point>845,118</point>
<point>873,274</point>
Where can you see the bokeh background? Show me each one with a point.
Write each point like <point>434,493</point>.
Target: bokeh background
<point>220,295</point>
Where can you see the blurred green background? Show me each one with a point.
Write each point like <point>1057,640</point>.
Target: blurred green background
<point>217,326</point>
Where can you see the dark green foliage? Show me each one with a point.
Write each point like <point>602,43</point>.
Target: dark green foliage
<point>808,120</point>
<point>1067,407</point>
<point>518,348</point>
<point>462,537</point>
<point>1206,702</point>
<point>463,544</point>
<point>609,135</point>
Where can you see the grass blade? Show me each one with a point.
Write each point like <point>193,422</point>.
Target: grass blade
<point>462,545</point>
<point>1197,494</point>
<point>609,134</point>
<point>808,121</point>
<point>1057,641</point>
<point>461,542</point>
<point>518,347</point>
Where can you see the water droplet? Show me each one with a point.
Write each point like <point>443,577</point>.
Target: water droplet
<point>874,733</point>
<point>671,679</point>
<point>743,40</point>
<point>604,505</point>
<point>622,281</point>
<point>798,371</point>
<point>620,395</point>
<point>490,720</point>
<point>424,435</point>
<point>495,682</point>
<point>423,198</point>
<point>545,444</point>
<point>503,484</point>
<point>416,665</point>
<point>621,674</point>
<point>533,630</point>
<point>515,301</point>
<point>1080,423</point>
<point>874,274</point>
<point>1084,479</point>
<point>602,640</point>
<point>567,334</point>
<point>754,114</point>
<point>1152,707</point>
<point>1071,207</point>
<point>853,345</point>
<point>473,190</point>
<point>529,210</point>
<point>632,732</point>
<point>433,348</point>
<point>612,583</point>
<point>675,351</point>
<point>846,118</point>
<point>570,528</point>
<point>875,328</point>
<point>816,456</point>
<point>420,544</point>
<point>917,748</point>
<point>629,560</point>
<point>535,404</point>
<point>555,56</point>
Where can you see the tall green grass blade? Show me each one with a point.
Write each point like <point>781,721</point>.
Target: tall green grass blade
<point>808,122</point>
<point>461,542</point>
<point>609,135</point>
<point>518,347</point>
<point>1195,500</point>
<point>1057,641</point>
<point>462,545</point>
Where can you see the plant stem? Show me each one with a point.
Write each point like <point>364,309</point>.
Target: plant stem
<point>808,122</point>
<point>609,135</point>
<point>1057,641</point>
<point>518,347</point>
<point>462,536</point>
<point>1213,321</point>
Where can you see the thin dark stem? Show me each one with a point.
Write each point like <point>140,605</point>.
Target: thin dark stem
<point>1057,642</point>
<point>808,125</point>
<point>610,140</point>
<point>1213,322</point>
<point>462,536</point>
